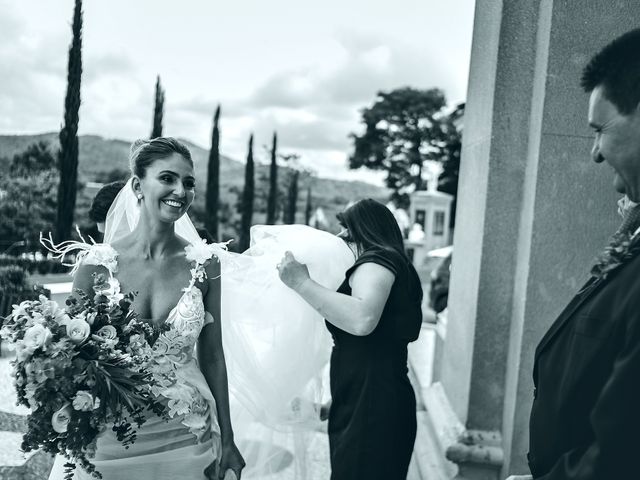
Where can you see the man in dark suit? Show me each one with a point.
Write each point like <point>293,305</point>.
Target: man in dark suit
<point>585,420</point>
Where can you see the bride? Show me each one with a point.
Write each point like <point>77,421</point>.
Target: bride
<point>189,290</point>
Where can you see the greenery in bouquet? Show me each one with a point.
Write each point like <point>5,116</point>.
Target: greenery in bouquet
<point>82,369</point>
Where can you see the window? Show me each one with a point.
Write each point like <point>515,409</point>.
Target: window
<point>438,223</point>
<point>421,217</point>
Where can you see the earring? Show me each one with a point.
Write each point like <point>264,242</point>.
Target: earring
<point>140,196</point>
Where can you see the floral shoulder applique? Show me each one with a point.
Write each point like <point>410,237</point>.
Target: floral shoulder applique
<point>85,253</point>
<point>200,253</point>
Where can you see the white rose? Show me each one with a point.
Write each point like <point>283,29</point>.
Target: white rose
<point>108,332</point>
<point>36,336</point>
<point>78,330</point>
<point>84,401</point>
<point>60,420</point>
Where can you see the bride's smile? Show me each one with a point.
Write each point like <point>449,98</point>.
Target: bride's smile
<point>167,188</point>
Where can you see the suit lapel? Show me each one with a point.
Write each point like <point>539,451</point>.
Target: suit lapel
<point>592,286</point>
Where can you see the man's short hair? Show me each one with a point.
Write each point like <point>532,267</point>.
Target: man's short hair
<point>103,200</point>
<point>617,68</point>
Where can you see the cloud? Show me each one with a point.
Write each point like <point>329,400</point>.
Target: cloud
<point>315,108</point>
<point>96,66</point>
<point>370,63</point>
<point>306,131</point>
<point>31,80</point>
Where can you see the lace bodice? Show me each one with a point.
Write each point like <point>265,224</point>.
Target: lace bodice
<point>178,377</point>
<point>184,322</point>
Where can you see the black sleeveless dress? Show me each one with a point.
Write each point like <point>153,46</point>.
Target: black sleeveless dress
<point>372,420</point>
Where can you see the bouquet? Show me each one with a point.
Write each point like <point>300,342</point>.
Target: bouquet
<point>81,369</point>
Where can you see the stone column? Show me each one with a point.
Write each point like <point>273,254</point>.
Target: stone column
<point>533,213</point>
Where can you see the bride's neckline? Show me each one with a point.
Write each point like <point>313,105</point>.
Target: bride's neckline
<point>160,324</point>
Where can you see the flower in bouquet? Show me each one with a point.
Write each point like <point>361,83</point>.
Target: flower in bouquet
<point>84,401</point>
<point>36,336</point>
<point>82,368</point>
<point>61,418</point>
<point>78,330</point>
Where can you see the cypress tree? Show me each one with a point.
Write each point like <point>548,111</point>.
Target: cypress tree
<point>212,200</point>
<point>247,199</point>
<point>68,155</point>
<point>307,211</point>
<point>273,183</point>
<point>158,110</point>
<point>292,198</point>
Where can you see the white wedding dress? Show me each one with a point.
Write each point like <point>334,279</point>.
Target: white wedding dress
<point>276,347</point>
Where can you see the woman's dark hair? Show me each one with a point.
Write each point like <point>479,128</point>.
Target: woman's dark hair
<point>371,224</point>
<point>103,200</point>
<point>145,152</point>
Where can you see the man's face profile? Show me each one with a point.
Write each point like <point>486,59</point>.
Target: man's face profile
<point>617,141</point>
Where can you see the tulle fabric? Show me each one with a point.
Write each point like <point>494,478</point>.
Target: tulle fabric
<point>276,345</point>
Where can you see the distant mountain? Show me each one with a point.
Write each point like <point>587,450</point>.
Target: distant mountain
<point>103,160</point>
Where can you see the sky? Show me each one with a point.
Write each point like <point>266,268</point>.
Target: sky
<point>304,69</point>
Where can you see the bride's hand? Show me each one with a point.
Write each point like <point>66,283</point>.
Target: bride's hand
<point>292,273</point>
<point>231,460</point>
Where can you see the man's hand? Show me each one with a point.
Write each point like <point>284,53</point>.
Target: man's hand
<point>520,477</point>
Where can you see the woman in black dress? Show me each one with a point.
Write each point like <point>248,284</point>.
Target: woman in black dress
<point>372,317</point>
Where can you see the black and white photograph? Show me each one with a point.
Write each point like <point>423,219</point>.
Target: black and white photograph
<point>227,235</point>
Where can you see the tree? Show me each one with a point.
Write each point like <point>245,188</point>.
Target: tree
<point>448,180</point>
<point>247,199</point>
<point>158,110</point>
<point>272,199</point>
<point>68,157</point>
<point>212,201</point>
<point>28,191</point>
<point>36,158</point>
<point>292,198</point>
<point>403,130</point>
<point>307,210</point>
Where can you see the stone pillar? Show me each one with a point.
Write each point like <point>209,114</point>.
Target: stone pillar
<point>533,213</point>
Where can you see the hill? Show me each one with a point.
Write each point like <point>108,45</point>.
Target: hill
<point>102,160</point>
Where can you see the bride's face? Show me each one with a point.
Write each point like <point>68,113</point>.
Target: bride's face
<point>168,188</point>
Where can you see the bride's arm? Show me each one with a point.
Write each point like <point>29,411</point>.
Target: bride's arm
<point>214,369</point>
<point>358,313</point>
<point>211,353</point>
<point>84,278</point>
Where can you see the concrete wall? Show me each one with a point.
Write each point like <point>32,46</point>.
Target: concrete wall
<point>533,210</point>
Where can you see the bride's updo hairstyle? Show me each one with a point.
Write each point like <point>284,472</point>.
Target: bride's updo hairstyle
<point>371,224</point>
<point>144,152</point>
